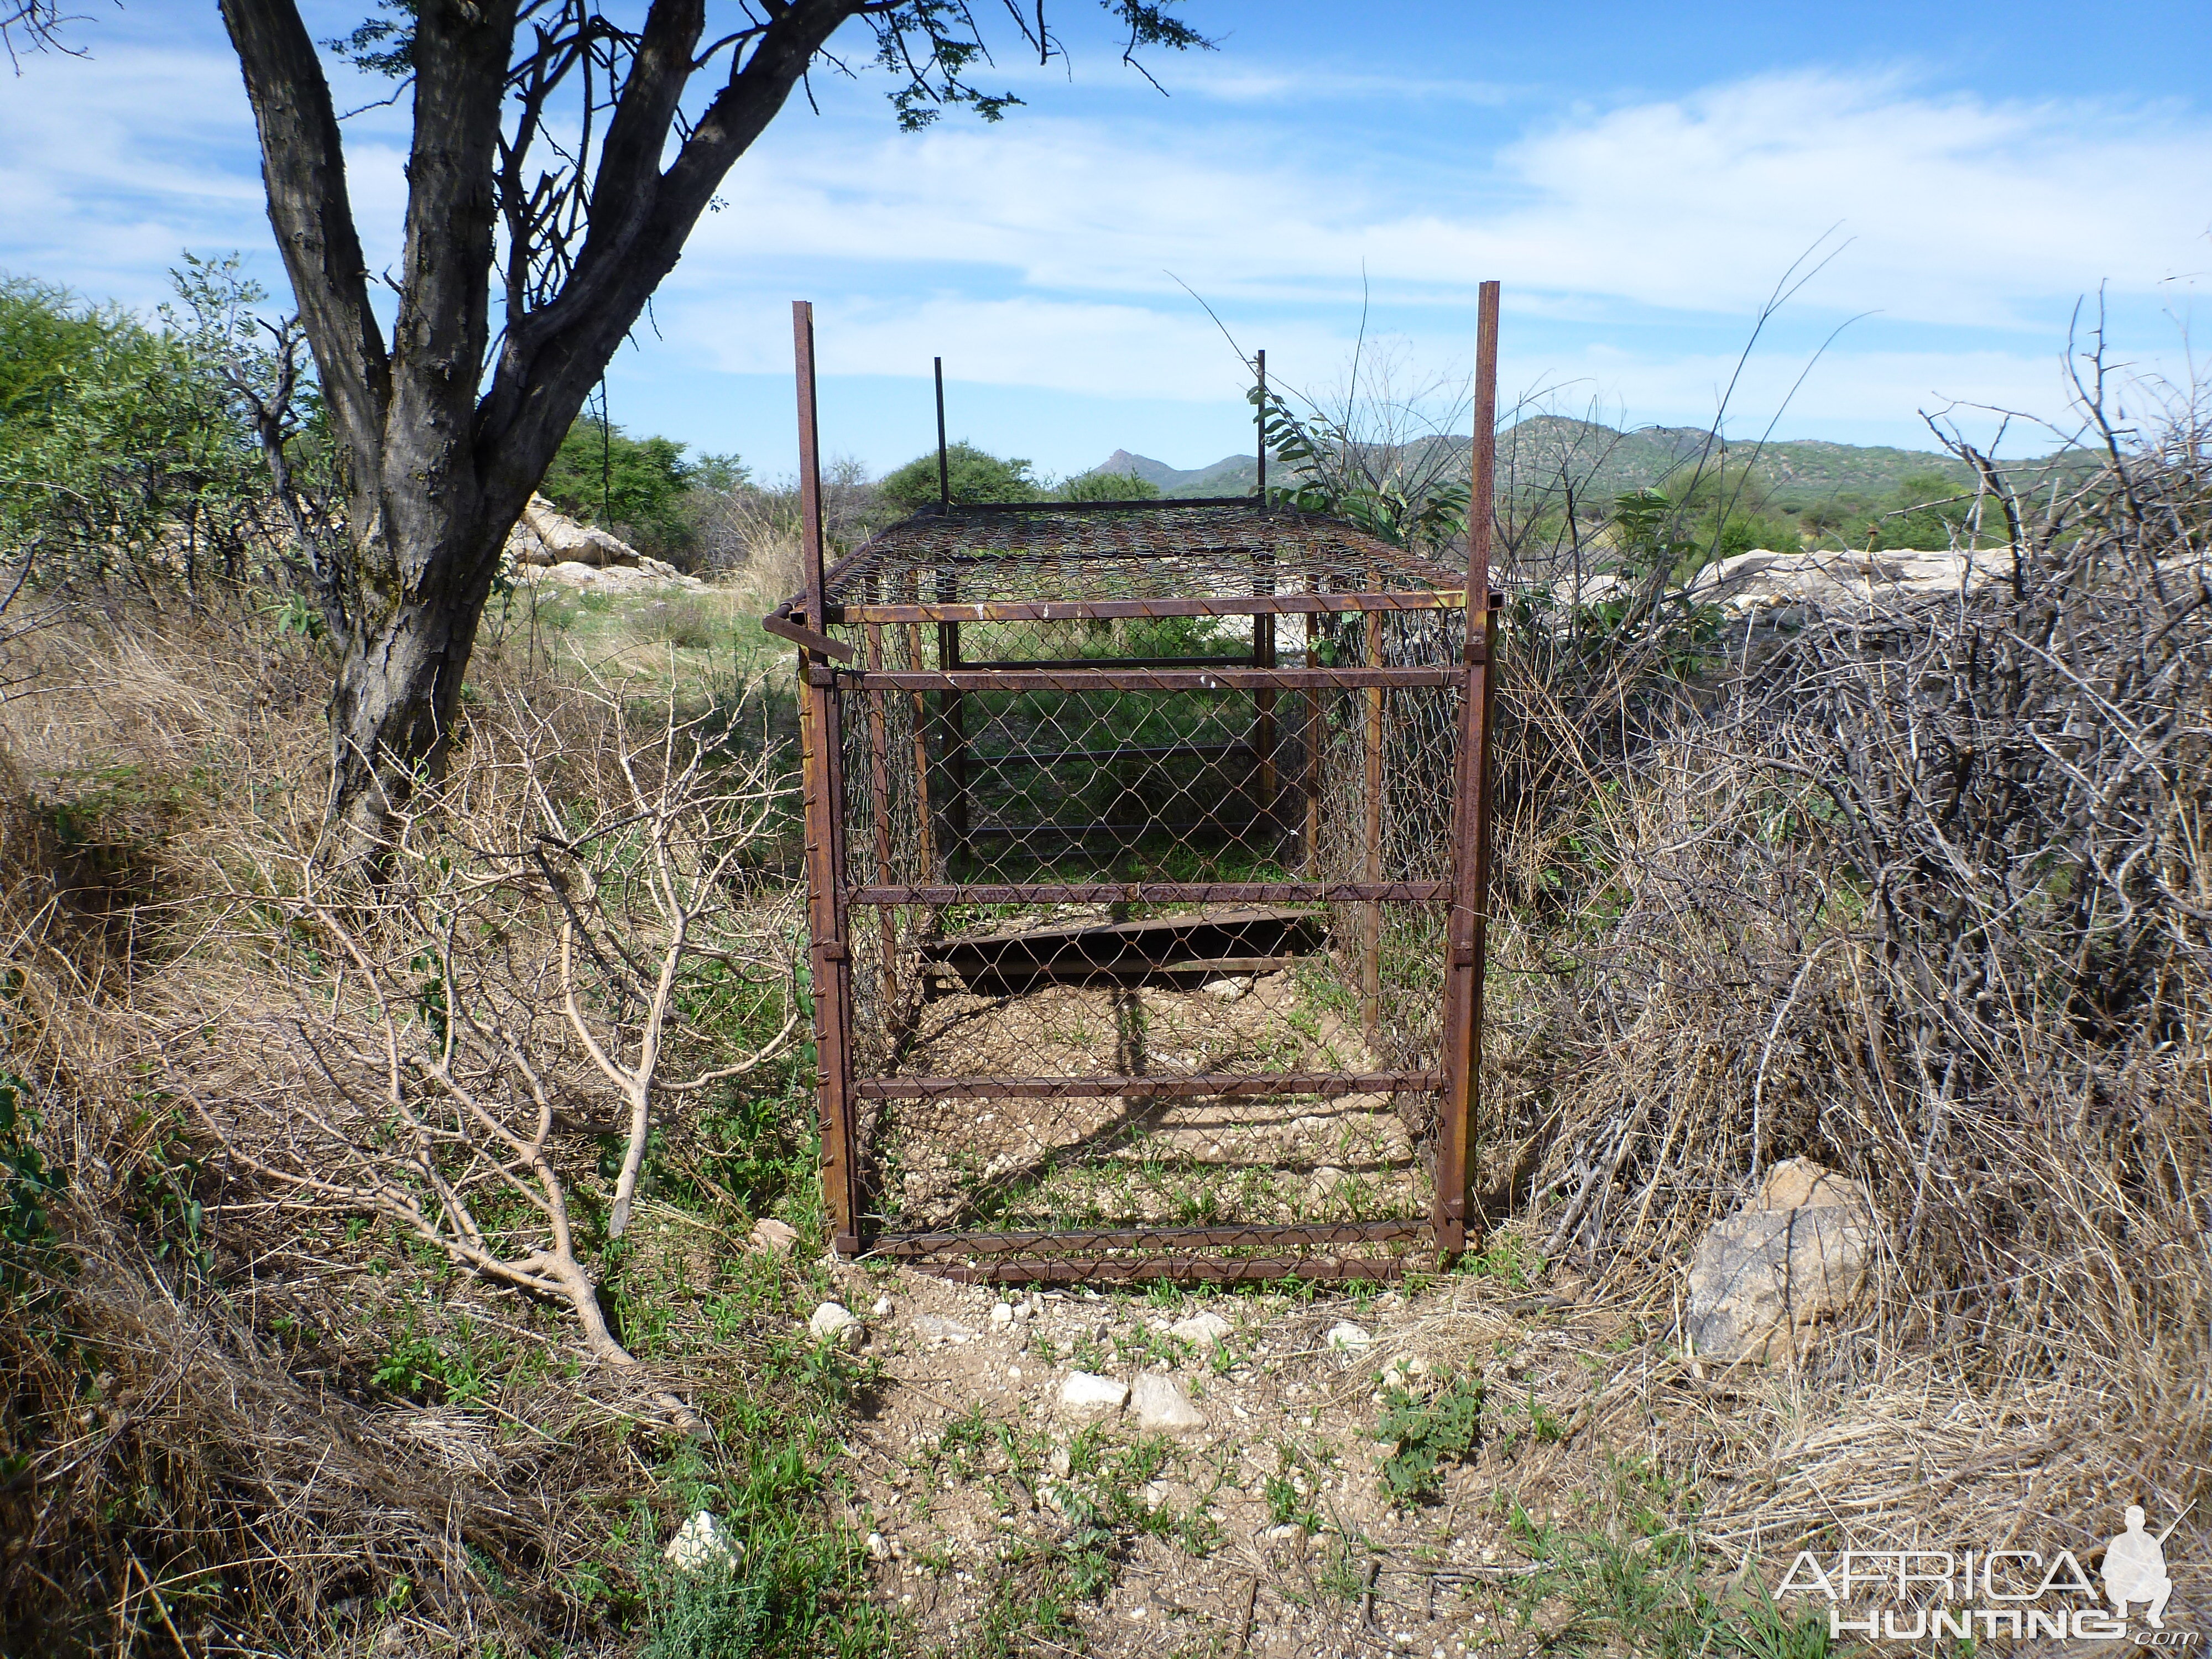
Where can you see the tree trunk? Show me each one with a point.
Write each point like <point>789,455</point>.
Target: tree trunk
<point>399,686</point>
<point>438,463</point>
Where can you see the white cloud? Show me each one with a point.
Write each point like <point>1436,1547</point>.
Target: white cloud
<point>1038,252</point>
<point>1959,211</point>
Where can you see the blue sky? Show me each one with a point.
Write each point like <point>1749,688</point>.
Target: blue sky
<point>1639,178</point>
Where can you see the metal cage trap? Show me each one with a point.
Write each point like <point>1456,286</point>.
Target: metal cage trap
<point>1146,846</point>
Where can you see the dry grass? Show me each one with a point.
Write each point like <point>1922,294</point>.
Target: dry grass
<point>1922,894</point>
<point>207,1419</point>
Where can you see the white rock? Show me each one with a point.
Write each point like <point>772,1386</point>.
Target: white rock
<point>1002,1314</point>
<point>545,535</point>
<point>878,1550</point>
<point>1287,1530</point>
<point>1797,1252</point>
<point>1084,1394</point>
<point>699,1545</point>
<point>941,1330</point>
<point>883,1308</point>
<point>1202,1330</point>
<point>1348,1337</point>
<point>775,1236</point>
<point>1159,1404</point>
<point>1233,989</point>
<point>833,1321</point>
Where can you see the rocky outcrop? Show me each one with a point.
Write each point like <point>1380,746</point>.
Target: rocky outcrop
<point>1832,581</point>
<point>1797,1253</point>
<point>546,535</point>
<point>546,545</point>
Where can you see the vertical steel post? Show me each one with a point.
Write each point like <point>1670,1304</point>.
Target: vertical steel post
<point>944,463</point>
<point>830,956</point>
<point>1263,703</point>
<point>1468,929</point>
<point>880,786</point>
<point>1261,356</point>
<point>925,856</point>
<point>952,716</point>
<point>1371,970</point>
<point>1316,739</point>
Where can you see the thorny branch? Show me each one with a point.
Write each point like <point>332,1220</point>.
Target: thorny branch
<point>458,1029</point>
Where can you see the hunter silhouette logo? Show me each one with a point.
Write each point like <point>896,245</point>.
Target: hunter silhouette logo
<point>1983,1593</point>
<point>2135,1570</point>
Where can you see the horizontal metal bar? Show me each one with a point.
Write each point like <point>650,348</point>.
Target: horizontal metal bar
<point>1066,1239</point>
<point>1072,969</point>
<point>1146,504</point>
<point>1154,750</point>
<point>1244,661</point>
<point>1142,827</point>
<point>1078,1270</point>
<point>1233,604</point>
<point>1161,892</point>
<point>1021,680</point>
<point>1333,1085</point>
<point>783,628</point>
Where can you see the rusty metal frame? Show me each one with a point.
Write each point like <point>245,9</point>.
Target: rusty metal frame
<point>827,678</point>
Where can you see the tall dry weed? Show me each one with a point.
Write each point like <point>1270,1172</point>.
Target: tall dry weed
<point>1924,892</point>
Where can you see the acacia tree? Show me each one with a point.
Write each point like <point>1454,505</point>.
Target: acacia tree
<point>562,152</point>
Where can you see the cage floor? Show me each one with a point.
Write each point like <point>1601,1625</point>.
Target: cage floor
<point>1103,1161</point>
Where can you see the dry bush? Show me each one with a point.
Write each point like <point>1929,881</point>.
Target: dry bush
<point>190,1430</point>
<point>553,922</point>
<point>1922,893</point>
<point>751,535</point>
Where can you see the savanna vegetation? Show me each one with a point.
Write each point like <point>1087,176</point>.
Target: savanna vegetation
<point>380,1258</point>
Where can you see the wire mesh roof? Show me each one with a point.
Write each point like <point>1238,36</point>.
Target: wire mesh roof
<point>1067,553</point>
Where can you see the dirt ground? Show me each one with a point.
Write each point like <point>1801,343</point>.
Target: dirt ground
<point>1266,1530</point>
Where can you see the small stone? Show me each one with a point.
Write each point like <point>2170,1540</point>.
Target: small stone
<point>1762,1280</point>
<point>1021,1310</point>
<point>1201,1330</point>
<point>1233,988</point>
<point>1799,1184</point>
<point>941,1330</point>
<point>833,1321</point>
<point>878,1550</point>
<point>883,1308</point>
<point>699,1545</point>
<point>776,1237</point>
<point>1087,1394</point>
<point>1348,1337</point>
<point>1287,1530</point>
<point>1003,1314</point>
<point>1161,1406</point>
<point>1326,1178</point>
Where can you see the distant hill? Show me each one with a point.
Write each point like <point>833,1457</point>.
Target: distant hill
<point>1800,474</point>
<point>1232,474</point>
<point>1533,455</point>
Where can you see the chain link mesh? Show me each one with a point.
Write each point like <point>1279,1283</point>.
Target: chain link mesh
<point>1039,1040</point>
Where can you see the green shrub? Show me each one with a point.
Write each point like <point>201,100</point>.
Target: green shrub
<point>1108,487</point>
<point>632,486</point>
<point>1444,1428</point>
<point>975,475</point>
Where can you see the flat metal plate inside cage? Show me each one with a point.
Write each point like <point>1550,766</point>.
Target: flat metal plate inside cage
<point>1144,846</point>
